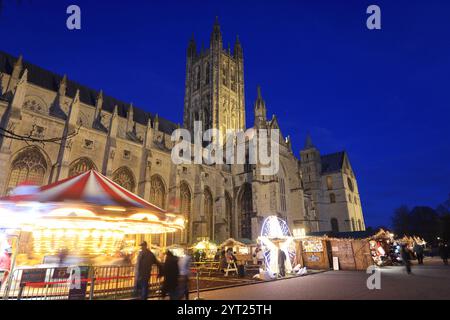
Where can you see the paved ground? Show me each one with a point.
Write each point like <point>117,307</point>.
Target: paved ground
<point>431,281</point>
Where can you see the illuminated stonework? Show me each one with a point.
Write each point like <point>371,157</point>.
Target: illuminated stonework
<point>133,147</point>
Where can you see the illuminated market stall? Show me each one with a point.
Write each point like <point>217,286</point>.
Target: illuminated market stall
<point>87,215</point>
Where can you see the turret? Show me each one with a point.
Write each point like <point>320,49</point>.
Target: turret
<point>192,48</point>
<point>260,110</point>
<point>216,36</point>
<point>237,52</point>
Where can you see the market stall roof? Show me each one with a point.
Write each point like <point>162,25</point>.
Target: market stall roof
<point>89,187</point>
<point>232,242</point>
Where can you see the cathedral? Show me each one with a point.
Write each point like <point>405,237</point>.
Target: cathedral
<point>312,193</point>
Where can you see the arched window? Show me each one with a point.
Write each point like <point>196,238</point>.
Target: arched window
<point>360,227</point>
<point>282,187</point>
<point>157,191</point>
<point>229,213</point>
<point>81,165</point>
<point>334,225</point>
<point>330,182</point>
<point>185,206</point>
<point>246,211</point>
<point>350,184</point>
<point>350,198</point>
<point>28,166</point>
<point>356,200</point>
<point>208,212</point>
<point>125,178</point>
<point>332,198</point>
<point>353,224</point>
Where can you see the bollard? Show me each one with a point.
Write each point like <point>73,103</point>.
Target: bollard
<point>198,287</point>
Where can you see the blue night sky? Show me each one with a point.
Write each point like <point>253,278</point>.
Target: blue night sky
<point>381,95</point>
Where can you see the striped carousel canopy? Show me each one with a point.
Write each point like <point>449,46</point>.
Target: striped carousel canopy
<point>90,187</point>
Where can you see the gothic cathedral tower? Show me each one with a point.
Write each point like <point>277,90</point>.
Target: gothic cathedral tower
<point>214,88</point>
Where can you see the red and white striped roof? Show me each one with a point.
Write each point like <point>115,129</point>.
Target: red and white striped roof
<point>89,187</point>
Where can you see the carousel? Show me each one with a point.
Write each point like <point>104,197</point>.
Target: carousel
<point>85,215</point>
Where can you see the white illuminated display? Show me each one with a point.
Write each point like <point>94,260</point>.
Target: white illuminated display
<point>275,236</point>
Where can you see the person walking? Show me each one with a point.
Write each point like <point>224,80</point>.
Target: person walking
<point>145,261</point>
<point>171,272</point>
<point>406,257</point>
<point>443,251</point>
<point>184,266</point>
<point>418,250</point>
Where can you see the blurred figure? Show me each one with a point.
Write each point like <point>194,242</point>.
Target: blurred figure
<point>217,255</point>
<point>418,250</point>
<point>184,266</point>
<point>145,261</point>
<point>260,256</point>
<point>62,256</point>
<point>281,262</point>
<point>230,256</point>
<point>223,261</point>
<point>443,251</point>
<point>5,264</point>
<point>170,273</point>
<point>406,257</point>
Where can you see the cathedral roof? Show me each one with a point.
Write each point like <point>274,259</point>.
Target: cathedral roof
<point>332,162</point>
<point>50,80</point>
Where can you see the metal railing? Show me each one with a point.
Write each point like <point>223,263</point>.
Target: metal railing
<point>79,282</point>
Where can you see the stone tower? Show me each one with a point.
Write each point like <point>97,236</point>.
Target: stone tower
<point>214,88</point>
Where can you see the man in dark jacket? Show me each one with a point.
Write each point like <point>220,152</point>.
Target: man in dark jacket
<point>171,272</point>
<point>145,261</point>
<point>406,257</point>
<point>418,250</point>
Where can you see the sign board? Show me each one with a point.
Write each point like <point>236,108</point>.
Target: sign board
<point>335,263</point>
<point>80,292</point>
<point>312,246</point>
<point>313,258</point>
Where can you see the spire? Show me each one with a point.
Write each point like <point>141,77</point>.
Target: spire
<point>63,86</point>
<point>114,122</point>
<point>216,35</point>
<point>130,118</point>
<point>98,105</point>
<point>74,109</point>
<point>156,123</point>
<point>20,92</point>
<point>237,48</point>
<point>260,109</point>
<point>308,143</point>
<point>192,48</point>
<point>259,103</point>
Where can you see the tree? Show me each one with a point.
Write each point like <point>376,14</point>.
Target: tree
<point>420,221</point>
<point>401,220</point>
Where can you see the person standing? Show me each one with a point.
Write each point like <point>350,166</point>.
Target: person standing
<point>406,257</point>
<point>443,251</point>
<point>418,250</point>
<point>170,273</point>
<point>281,262</point>
<point>184,265</point>
<point>145,261</point>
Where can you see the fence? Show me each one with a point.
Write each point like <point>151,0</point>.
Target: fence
<point>75,283</point>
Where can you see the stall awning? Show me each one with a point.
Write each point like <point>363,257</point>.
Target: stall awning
<point>90,187</point>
